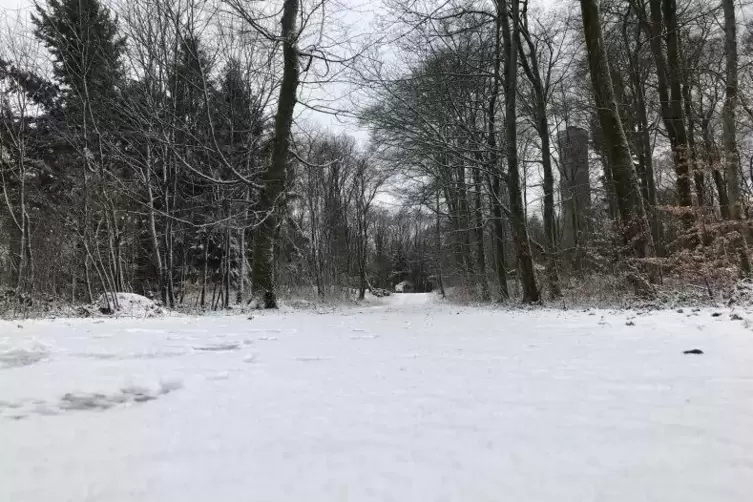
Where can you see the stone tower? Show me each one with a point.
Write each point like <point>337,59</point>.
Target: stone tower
<point>575,186</point>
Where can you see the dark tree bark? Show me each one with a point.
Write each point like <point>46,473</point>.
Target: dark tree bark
<point>517,208</point>
<point>731,153</point>
<point>495,187</point>
<point>541,124</point>
<point>663,14</point>
<point>275,175</point>
<point>479,231</point>
<point>629,201</point>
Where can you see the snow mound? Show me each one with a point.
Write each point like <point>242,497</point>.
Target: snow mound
<point>741,294</point>
<point>130,305</point>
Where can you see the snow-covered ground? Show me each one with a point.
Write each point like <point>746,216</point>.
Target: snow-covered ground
<point>409,400</point>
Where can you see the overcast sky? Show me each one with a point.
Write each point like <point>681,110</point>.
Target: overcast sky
<point>354,16</point>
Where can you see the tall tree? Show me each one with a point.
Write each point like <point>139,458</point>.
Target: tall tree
<point>731,153</point>
<point>275,175</point>
<point>82,37</point>
<point>510,38</point>
<point>635,229</point>
<point>541,86</point>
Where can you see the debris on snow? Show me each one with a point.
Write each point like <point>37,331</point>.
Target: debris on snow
<point>693,351</point>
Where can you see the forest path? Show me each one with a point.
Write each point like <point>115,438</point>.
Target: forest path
<point>415,399</point>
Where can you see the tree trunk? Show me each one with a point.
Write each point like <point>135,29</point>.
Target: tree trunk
<point>242,252</point>
<point>698,175</point>
<point>635,229</point>
<point>275,174</point>
<point>517,210</point>
<point>549,218</point>
<point>495,170</point>
<point>731,153</point>
<point>438,256</point>
<point>205,276</point>
<point>479,224</point>
<point>668,74</point>
<point>540,93</point>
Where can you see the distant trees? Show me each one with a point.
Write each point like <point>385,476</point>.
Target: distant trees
<point>159,150</point>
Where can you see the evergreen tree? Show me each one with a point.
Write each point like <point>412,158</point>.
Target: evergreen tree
<point>82,37</point>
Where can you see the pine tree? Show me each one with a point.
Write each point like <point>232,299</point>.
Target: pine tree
<point>82,37</point>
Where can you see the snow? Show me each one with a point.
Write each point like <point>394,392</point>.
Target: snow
<point>131,305</point>
<point>408,399</point>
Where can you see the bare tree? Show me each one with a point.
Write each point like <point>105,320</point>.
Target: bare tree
<point>635,229</point>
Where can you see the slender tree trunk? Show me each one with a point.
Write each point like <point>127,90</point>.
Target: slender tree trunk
<point>153,226</point>
<point>648,166</point>
<point>438,256</point>
<point>479,227</point>
<point>226,275</point>
<point>495,170</point>
<point>668,71</point>
<point>22,243</point>
<point>87,279</point>
<point>550,225</point>
<point>29,256</point>
<point>275,174</point>
<point>698,175</point>
<point>636,231</point>
<point>712,161</point>
<point>517,210</point>
<point>540,93</point>
<point>464,219</point>
<point>731,153</point>
<point>206,271</point>
<point>242,251</point>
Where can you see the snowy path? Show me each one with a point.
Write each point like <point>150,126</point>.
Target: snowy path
<point>403,402</point>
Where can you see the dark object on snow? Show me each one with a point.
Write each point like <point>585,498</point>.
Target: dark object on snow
<point>630,323</point>
<point>693,351</point>
<point>716,314</point>
<point>736,317</point>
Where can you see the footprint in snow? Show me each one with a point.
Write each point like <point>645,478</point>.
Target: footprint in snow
<point>83,401</point>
